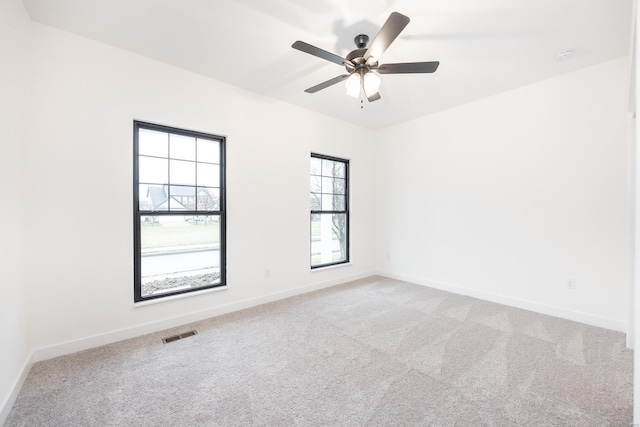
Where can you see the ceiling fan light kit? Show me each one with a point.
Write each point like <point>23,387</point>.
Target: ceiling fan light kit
<point>353,85</point>
<point>365,79</point>
<point>362,64</point>
<point>371,83</point>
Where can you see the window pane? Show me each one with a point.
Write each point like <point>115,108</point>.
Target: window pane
<point>333,169</point>
<point>338,202</point>
<point>339,186</point>
<point>144,201</point>
<point>316,201</point>
<point>182,147</point>
<point>179,252</point>
<point>327,185</point>
<point>333,202</point>
<point>182,198</point>
<point>208,175</point>
<point>152,170</point>
<point>328,238</point>
<point>327,167</point>
<point>153,143</point>
<point>208,199</point>
<point>316,183</point>
<point>208,151</point>
<point>327,202</point>
<point>339,170</point>
<point>333,185</point>
<point>152,198</point>
<point>144,198</point>
<point>183,172</point>
<point>316,166</point>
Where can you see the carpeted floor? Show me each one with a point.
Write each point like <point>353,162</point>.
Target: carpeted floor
<point>375,352</point>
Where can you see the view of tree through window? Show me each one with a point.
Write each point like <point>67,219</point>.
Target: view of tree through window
<point>329,211</point>
<point>179,211</point>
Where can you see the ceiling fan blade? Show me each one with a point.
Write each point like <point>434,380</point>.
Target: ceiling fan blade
<point>316,51</point>
<point>408,67</point>
<point>387,34</point>
<point>374,97</point>
<point>326,84</point>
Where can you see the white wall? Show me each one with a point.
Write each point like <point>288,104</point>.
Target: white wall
<point>508,197</point>
<point>81,257</point>
<point>634,188</point>
<point>14,54</point>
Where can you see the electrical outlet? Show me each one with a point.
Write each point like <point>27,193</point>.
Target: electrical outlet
<point>571,283</point>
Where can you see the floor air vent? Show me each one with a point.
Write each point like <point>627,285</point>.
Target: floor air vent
<point>173,338</point>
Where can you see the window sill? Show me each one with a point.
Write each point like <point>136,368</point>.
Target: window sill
<point>328,267</point>
<point>179,296</point>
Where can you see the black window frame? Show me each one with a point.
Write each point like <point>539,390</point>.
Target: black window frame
<point>346,211</point>
<point>138,213</point>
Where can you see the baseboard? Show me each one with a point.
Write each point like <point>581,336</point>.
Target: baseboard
<point>85,343</point>
<point>10,399</point>
<point>577,316</point>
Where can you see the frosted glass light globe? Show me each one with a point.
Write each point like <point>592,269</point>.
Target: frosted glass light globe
<point>353,85</point>
<point>371,83</point>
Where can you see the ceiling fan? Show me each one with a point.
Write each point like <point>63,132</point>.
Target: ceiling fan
<point>362,64</point>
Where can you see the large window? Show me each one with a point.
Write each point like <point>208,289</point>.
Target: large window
<point>179,211</point>
<point>329,211</point>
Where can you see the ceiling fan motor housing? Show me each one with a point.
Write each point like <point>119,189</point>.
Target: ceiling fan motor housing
<point>361,41</point>
<point>357,56</point>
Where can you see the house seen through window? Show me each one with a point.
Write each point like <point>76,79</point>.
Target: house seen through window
<point>179,211</point>
<point>329,211</point>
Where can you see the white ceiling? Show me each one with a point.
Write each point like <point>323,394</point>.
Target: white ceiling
<point>484,46</point>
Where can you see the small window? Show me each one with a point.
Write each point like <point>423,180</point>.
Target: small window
<point>329,211</point>
<point>179,211</point>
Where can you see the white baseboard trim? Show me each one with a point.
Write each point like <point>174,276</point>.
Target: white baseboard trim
<point>10,398</point>
<point>577,316</point>
<point>85,343</point>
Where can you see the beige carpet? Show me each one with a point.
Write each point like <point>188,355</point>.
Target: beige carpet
<point>375,352</point>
